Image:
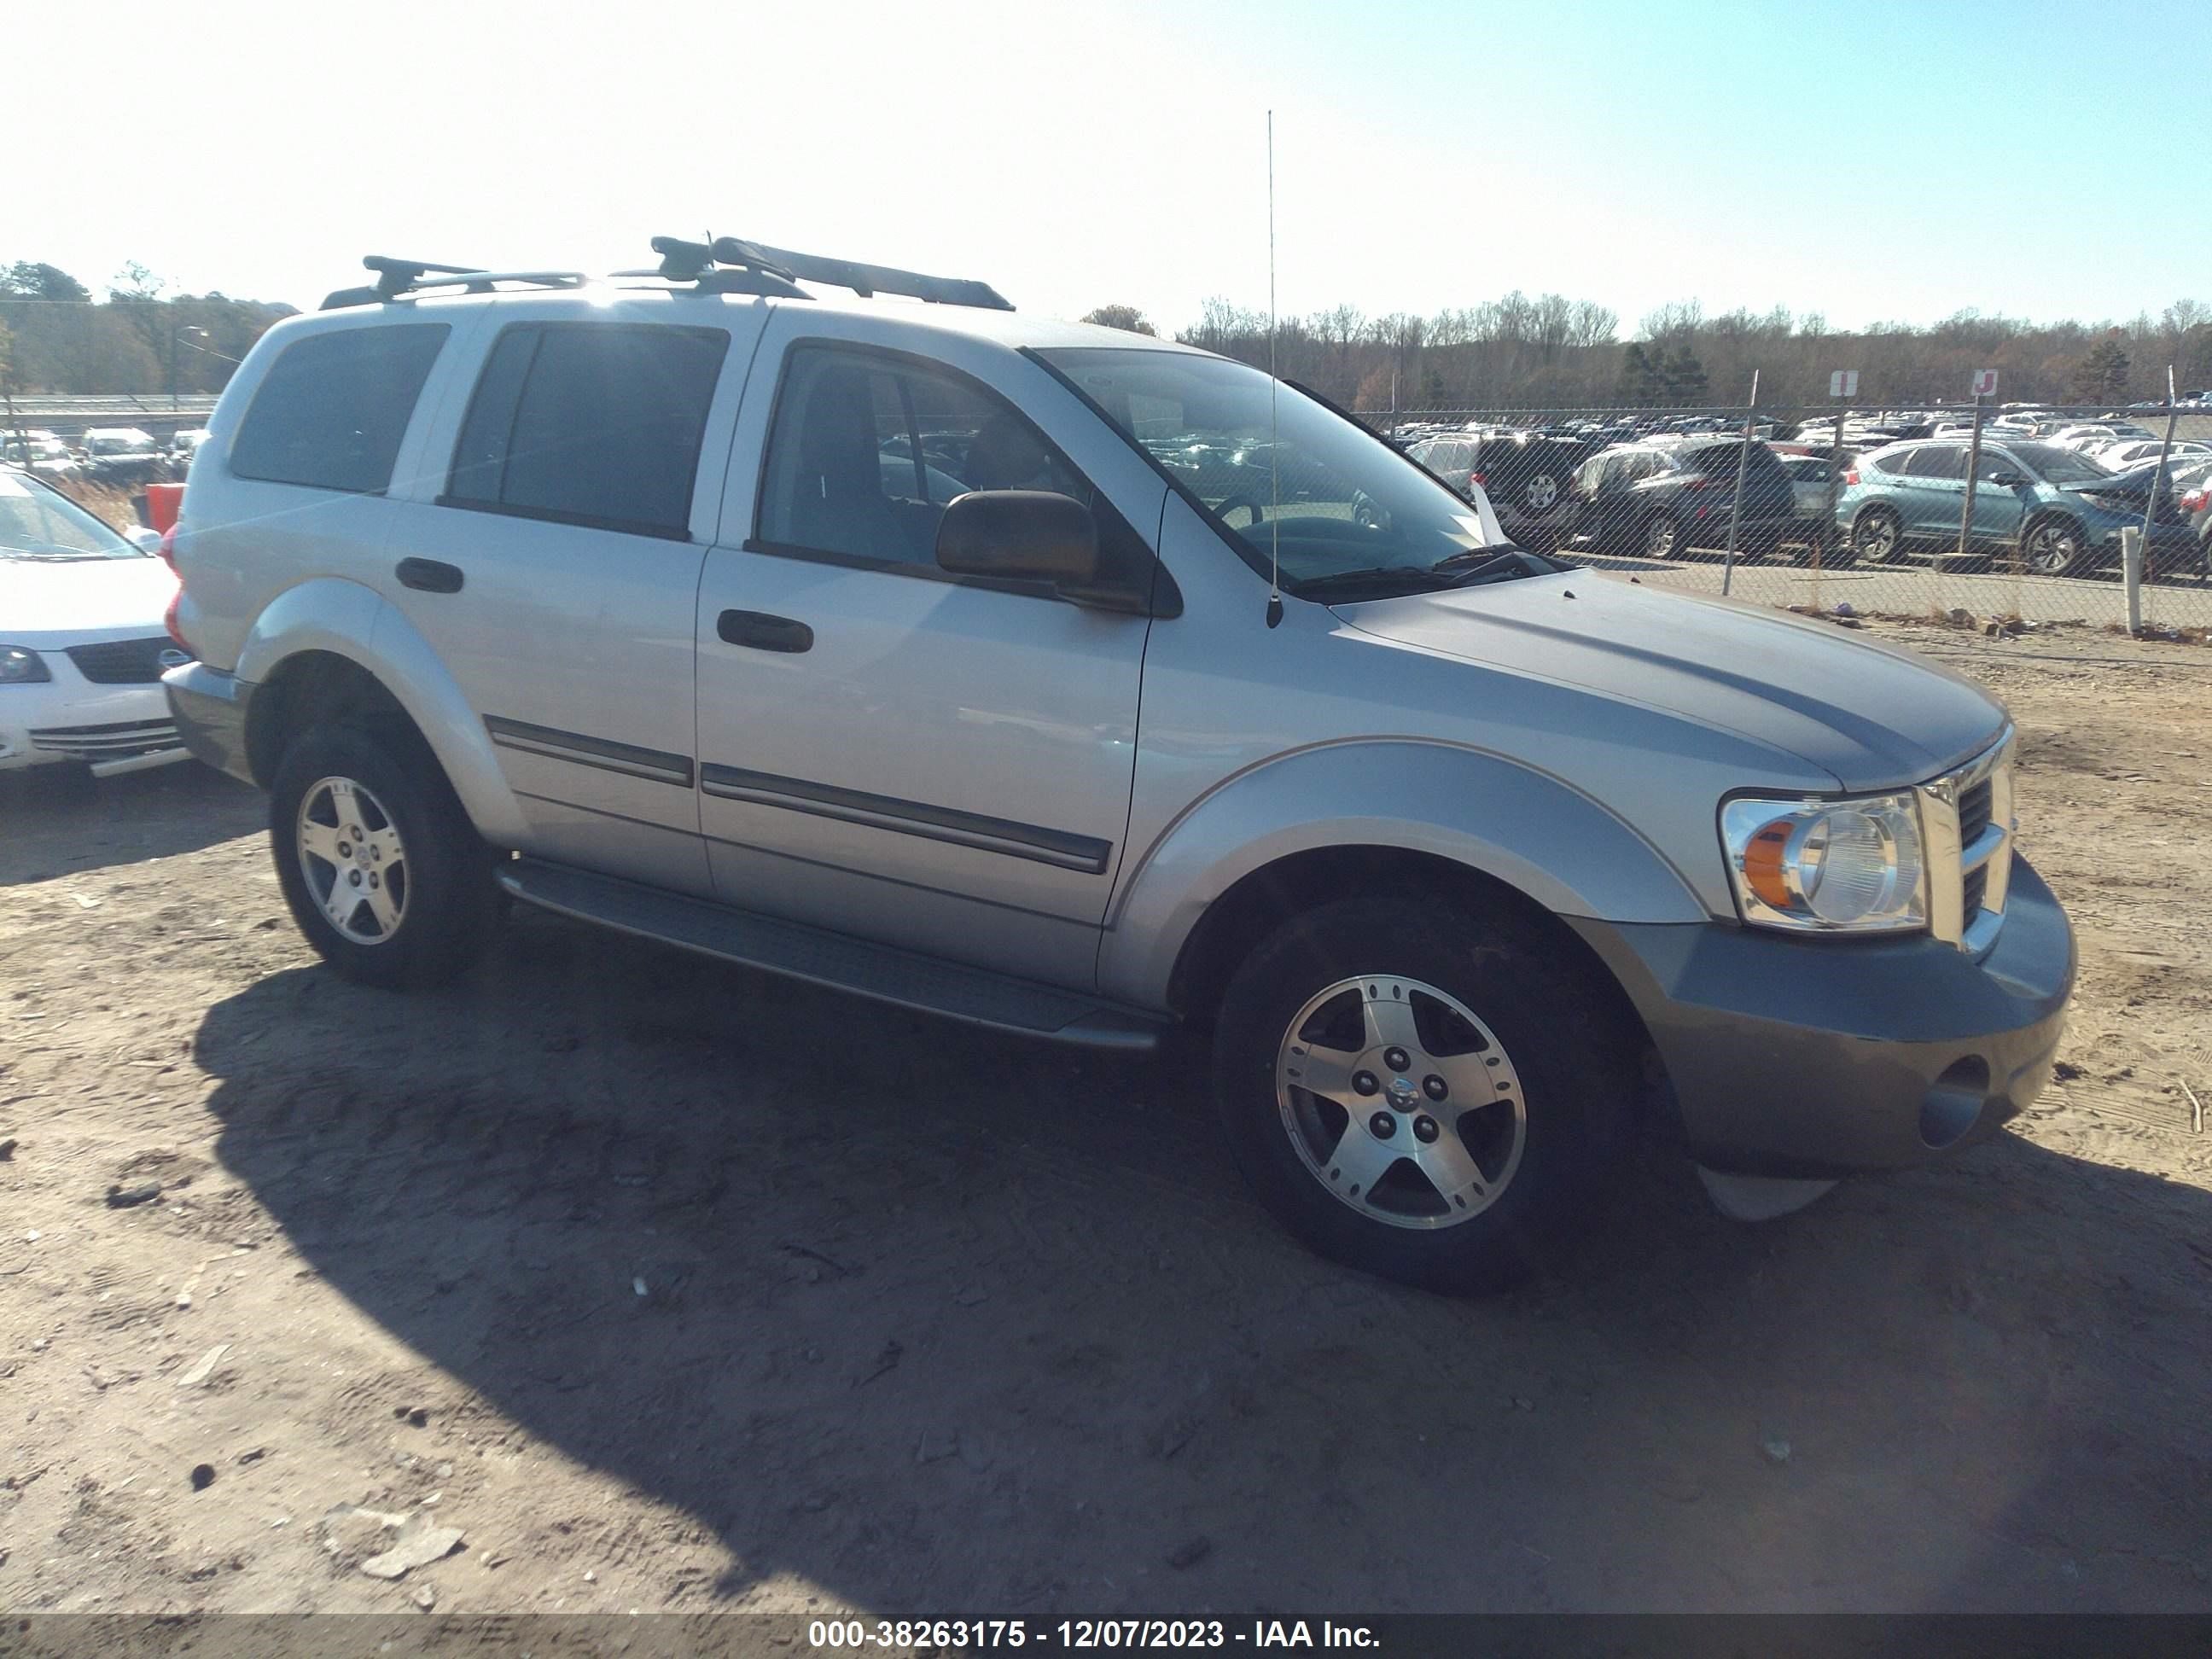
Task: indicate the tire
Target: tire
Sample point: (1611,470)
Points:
(1877,537)
(2054,546)
(1539,493)
(347,804)
(1663,537)
(1495,1018)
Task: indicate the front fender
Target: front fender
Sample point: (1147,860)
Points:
(1536,834)
(348,620)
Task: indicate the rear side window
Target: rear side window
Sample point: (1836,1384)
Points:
(1938,461)
(333,407)
(589,423)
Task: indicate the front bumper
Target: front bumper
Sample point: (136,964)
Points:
(112,728)
(209,708)
(1814,1058)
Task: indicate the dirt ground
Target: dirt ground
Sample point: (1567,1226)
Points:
(673,1287)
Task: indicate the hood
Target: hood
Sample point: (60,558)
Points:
(1870,714)
(41,602)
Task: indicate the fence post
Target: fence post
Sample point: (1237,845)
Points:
(1735,505)
(2158,477)
(1973,466)
(2131,563)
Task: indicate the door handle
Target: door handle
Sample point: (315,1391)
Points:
(761,632)
(429,575)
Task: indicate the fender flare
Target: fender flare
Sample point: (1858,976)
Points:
(347,619)
(1535,832)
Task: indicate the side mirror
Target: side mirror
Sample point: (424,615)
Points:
(1020,535)
(145,539)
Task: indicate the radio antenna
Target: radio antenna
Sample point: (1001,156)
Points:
(1274,456)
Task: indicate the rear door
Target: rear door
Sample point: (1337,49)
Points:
(2000,509)
(1935,491)
(554,566)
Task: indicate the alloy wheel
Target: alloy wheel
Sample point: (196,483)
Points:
(1401,1101)
(355,866)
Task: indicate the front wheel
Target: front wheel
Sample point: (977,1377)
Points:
(1425,1094)
(383,872)
(2053,547)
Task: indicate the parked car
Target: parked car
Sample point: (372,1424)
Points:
(81,645)
(1452,850)
(122,456)
(1525,478)
(1666,496)
(2059,510)
(2189,480)
(2123,453)
(41,452)
(1812,477)
(2090,435)
(182,448)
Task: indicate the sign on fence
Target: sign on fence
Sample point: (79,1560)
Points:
(1843,383)
(1986,383)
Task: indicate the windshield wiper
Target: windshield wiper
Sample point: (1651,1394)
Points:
(1338,583)
(1499,561)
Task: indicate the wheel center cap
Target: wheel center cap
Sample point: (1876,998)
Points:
(1402,1094)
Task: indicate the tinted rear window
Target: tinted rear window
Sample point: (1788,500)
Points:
(1716,460)
(589,423)
(333,407)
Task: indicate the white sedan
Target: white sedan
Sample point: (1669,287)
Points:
(82,644)
(2129,452)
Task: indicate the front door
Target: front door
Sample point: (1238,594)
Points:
(939,763)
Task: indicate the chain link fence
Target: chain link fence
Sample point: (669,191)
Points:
(2001,514)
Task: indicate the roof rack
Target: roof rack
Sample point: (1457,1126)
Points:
(760,262)
(694,263)
(395,278)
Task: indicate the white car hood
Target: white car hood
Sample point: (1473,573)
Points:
(1870,714)
(62,602)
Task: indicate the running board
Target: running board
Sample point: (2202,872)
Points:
(833,960)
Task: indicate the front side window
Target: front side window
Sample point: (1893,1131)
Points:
(333,407)
(869,449)
(597,424)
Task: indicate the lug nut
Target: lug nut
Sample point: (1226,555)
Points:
(354,876)
(1396,1059)
(1363,1083)
(1433,1087)
(1424,1129)
(1383,1125)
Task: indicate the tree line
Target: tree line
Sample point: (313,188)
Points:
(1550,352)
(56,337)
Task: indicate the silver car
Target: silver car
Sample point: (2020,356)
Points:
(876,644)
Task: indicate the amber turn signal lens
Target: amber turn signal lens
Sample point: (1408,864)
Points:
(1762,863)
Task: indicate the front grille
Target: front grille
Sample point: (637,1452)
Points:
(122,662)
(115,742)
(1974,815)
(1977,884)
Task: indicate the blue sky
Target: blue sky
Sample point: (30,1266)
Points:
(1867,160)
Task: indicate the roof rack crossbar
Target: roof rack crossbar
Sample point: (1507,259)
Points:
(399,277)
(863,279)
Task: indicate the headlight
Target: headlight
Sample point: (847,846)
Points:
(1827,865)
(19,666)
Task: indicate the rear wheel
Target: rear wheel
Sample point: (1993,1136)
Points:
(1877,536)
(1662,537)
(1443,1123)
(383,872)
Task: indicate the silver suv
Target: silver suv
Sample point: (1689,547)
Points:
(936,653)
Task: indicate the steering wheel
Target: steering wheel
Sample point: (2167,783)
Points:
(1259,514)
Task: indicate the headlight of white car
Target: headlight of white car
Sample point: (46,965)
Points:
(1827,865)
(21,665)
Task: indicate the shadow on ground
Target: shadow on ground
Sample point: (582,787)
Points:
(55,820)
(940,1321)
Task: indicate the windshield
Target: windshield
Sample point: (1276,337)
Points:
(41,524)
(1341,500)
(2060,466)
(117,443)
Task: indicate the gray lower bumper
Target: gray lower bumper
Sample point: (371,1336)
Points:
(1813,1057)
(209,708)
